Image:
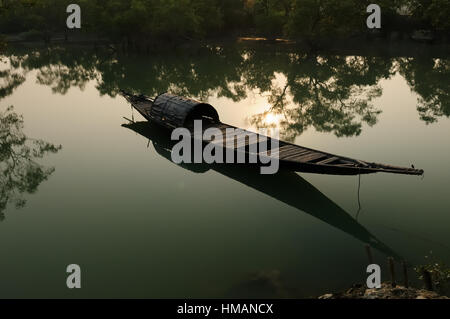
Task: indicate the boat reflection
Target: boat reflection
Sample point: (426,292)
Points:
(285,186)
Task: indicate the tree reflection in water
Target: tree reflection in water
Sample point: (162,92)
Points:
(19,171)
(10,79)
(332,93)
(430,79)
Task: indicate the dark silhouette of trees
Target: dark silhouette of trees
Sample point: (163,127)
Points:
(141,22)
(431,13)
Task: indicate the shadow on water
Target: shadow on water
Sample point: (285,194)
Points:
(20,173)
(285,186)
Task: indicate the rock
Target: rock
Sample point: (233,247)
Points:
(398,290)
(421,297)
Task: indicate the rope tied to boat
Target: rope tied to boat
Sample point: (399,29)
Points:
(359,199)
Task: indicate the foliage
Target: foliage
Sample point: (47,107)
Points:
(9,80)
(19,171)
(48,16)
(430,78)
(270,16)
(2,44)
(330,93)
(431,13)
(175,18)
(440,274)
(181,19)
(439,14)
(312,18)
(2,47)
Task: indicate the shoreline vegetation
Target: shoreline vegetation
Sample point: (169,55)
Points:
(387,291)
(152,25)
(366,46)
(435,275)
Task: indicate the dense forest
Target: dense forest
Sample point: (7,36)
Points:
(174,20)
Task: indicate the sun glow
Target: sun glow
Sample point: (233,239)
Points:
(272,119)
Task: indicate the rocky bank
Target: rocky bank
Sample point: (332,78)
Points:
(386,291)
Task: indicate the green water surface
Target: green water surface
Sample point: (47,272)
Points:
(140,226)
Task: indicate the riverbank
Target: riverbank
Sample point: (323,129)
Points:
(367,46)
(386,291)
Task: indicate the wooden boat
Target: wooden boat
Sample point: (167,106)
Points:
(170,112)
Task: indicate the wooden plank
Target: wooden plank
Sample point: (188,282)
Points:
(239,140)
(220,126)
(278,149)
(228,137)
(221,142)
(244,135)
(328,160)
(246,141)
(300,152)
(310,157)
(346,165)
(234,137)
(243,138)
(209,140)
(229,131)
(362,163)
(288,150)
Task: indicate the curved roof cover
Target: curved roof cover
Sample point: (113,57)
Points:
(175,111)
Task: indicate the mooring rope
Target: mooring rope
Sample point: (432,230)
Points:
(359,199)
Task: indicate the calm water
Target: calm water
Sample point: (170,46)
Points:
(141,226)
